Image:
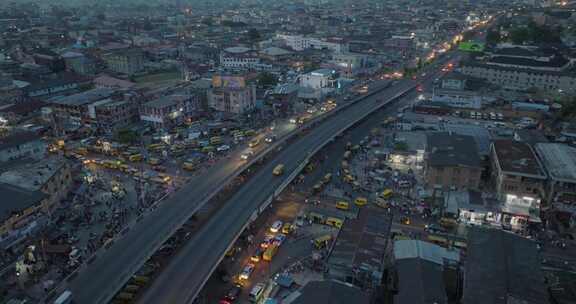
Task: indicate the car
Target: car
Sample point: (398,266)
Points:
(233,293)
(257,255)
(276,226)
(268,239)
(223,148)
(279,239)
(270,139)
(433,228)
(247,155)
(247,271)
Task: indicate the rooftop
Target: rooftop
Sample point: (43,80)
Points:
(161,102)
(15,198)
(237,50)
(559,160)
(275,51)
(448,150)
(32,176)
(332,292)
(84,97)
(17,139)
(411,249)
(517,158)
(420,282)
(502,268)
(362,242)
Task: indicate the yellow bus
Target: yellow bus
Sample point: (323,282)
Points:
(208,149)
(154,161)
(342,205)
(188,166)
(135,157)
(334,222)
(278,170)
(155,147)
(361,201)
(253,143)
(270,253)
(216,140)
(322,241)
(386,193)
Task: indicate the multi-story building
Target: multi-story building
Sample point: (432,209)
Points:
(523,68)
(110,115)
(232,95)
(21,145)
(455,90)
(517,170)
(318,83)
(72,112)
(51,176)
(125,61)
(239,58)
(79,63)
(452,162)
(19,211)
(560,163)
(300,43)
(168,111)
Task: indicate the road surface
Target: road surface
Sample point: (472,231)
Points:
(102,278)
(187,272)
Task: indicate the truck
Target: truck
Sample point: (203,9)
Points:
(270,253)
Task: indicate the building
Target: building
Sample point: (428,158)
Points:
(452,162)
(283,98)
(51,176)
(125,61)
(559,160)
(275,54)
(300,43)
(502,267)
(516,78)
(318,83)
(79,63)
(19,211)
(421,269)
(109,115)
(356,255)
(517,170)
(240,58)
(54,84)
(76,111)
(332,292)
(457,91)
(168,111)
(232,95)
(20,145)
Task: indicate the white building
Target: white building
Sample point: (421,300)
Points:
(300,43)
(241,58)
(455,93)
(317,84)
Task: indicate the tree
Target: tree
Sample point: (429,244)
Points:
(493,37)
(126,136)
(253,35)
(266,79)
(520,35)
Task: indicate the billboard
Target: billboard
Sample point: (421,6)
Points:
(230,82)
(470,46)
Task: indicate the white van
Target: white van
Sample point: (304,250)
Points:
(256,292)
